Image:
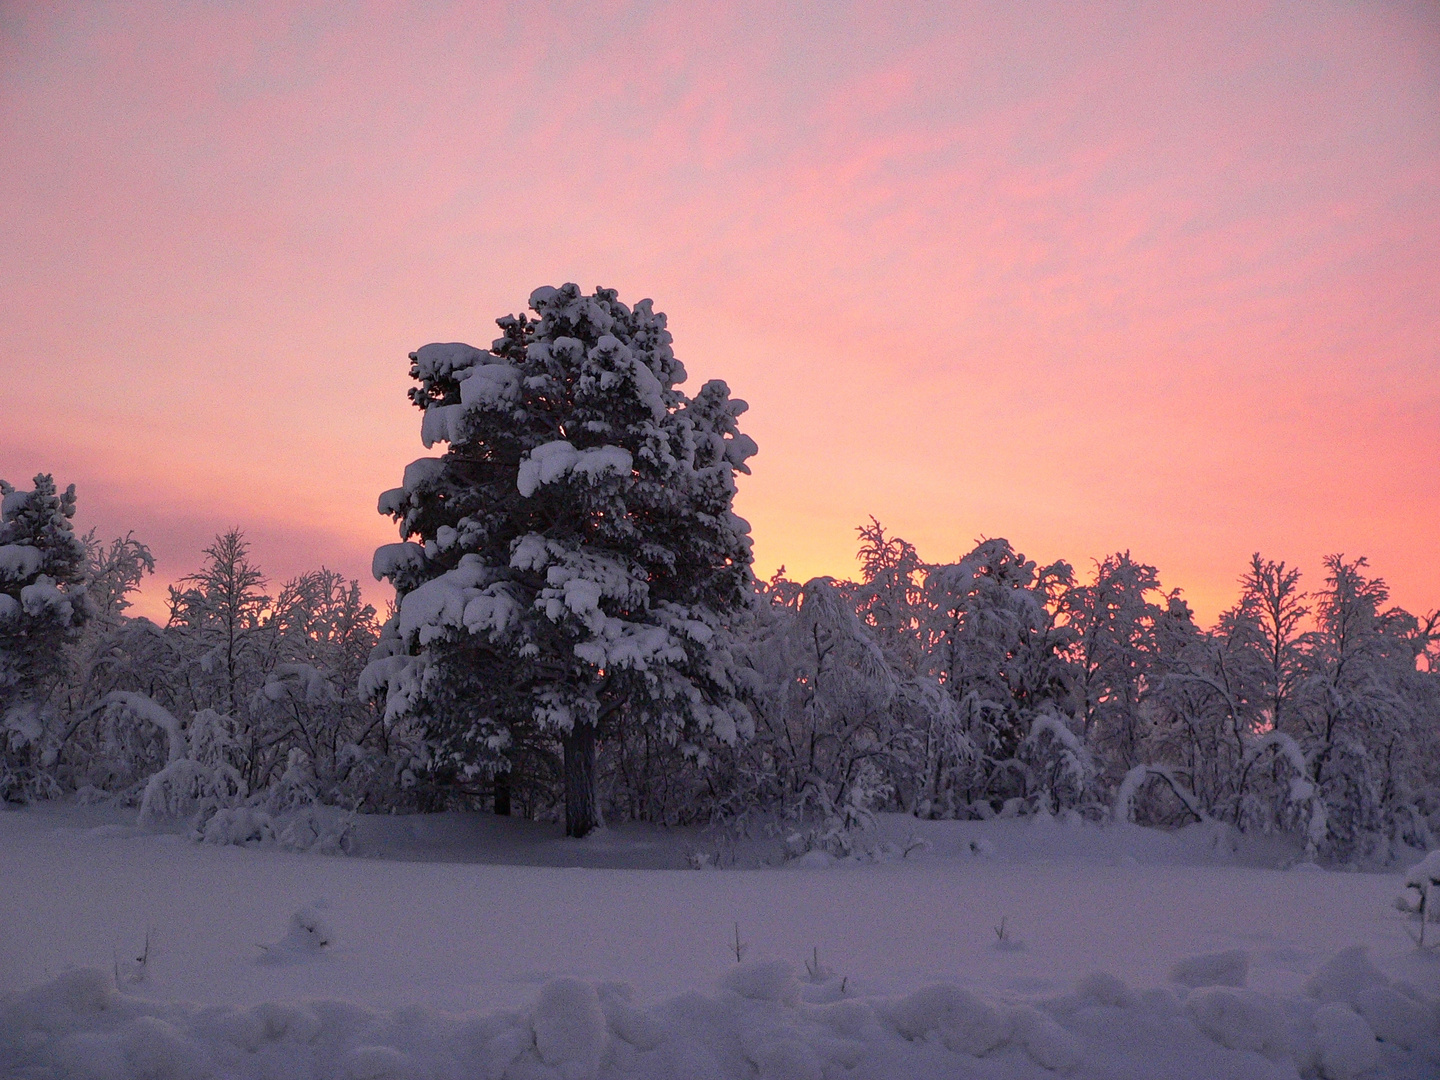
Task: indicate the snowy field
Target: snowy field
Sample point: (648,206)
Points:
(470,946)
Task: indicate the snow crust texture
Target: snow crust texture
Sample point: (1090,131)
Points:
(759,1020)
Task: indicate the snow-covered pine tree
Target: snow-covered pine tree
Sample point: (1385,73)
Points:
(42,608)
(579,561)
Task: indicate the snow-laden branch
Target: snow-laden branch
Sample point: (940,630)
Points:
(1124,808)
(143,708)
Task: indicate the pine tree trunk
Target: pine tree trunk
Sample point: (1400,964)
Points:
(582,799)
(502,793)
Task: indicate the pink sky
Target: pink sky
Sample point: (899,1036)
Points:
(1159,277)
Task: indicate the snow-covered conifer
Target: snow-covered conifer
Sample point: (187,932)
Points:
(42,608)
(578,561)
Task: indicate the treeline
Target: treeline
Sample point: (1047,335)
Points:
(990,685)
(995,685)
(240,708)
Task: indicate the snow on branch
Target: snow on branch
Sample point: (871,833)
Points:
(1124,808)
(551,461)
(143,708)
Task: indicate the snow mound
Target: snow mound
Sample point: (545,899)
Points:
(1344,977)
(763,980)
(308,932)
(1400,1019)
(963,1021)
(570,1027)
(1238,1019)
(1229,968)
(981,848)
(1101,989)
(754,1025)
(1347,1045)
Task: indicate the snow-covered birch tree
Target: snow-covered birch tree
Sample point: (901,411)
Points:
(994,643)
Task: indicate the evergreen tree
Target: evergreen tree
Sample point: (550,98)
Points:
(579,562)
(42,609)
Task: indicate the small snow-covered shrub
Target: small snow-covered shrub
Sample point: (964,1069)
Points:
(321,829)
(214,799)
(980,847)
(268,819)
(307,932)
(235,825)
(185,788)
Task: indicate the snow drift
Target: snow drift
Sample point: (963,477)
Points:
(757,1020)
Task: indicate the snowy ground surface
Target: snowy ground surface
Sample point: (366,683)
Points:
(469,946)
